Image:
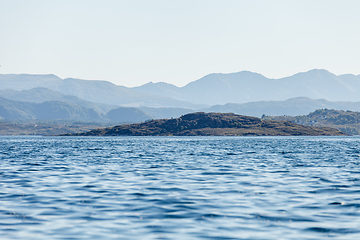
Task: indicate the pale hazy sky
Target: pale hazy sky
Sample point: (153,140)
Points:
(137,41)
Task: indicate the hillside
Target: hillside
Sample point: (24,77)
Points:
(56,110)
(40,95)
(212,124)
(345,121)
(127,114)
(49,110)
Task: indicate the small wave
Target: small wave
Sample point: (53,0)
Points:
(333,230)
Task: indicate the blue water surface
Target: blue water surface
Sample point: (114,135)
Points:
(179,187)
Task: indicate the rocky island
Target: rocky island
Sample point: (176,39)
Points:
(212,124)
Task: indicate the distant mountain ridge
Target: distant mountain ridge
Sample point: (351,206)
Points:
(40,95)
(57,110)
(245,86)
(212,89)
(49,110)
(90,90)
(290,107)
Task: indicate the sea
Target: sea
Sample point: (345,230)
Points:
(179,187)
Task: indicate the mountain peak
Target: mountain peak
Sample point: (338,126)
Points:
(315,71)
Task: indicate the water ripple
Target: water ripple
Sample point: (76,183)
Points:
(179,187)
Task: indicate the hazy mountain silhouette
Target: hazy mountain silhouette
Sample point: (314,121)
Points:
(57,110)
(160,113)
(91,90)
(16,110)
(247,86)
(40,95)
(290,107)
(161,89)
(53,110)
(213,89)
(50,110)
(128,114)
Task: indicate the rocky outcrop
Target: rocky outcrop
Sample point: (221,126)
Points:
(212,124)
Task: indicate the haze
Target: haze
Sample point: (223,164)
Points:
(134,42)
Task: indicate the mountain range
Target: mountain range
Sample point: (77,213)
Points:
(247,86)
(58,110)
(290,107)
(49,110)
(212,89)
(103,92)
(25,96)
(40,95)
